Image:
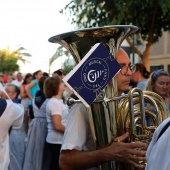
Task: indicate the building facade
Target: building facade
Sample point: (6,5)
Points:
(160,54)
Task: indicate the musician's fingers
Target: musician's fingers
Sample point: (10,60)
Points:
(138,145)
(122,138)
(135,164)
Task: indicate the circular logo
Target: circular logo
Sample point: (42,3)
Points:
(95,74)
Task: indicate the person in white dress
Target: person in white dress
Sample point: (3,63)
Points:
(11,114)
(17,134)
(37,131)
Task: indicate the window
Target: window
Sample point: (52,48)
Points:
(157,67)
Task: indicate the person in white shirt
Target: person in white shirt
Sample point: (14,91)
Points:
(78,149)
(19,80)
(57,116)
(17,134)
(11,114)
(158,152)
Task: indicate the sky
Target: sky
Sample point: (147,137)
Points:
(30,23)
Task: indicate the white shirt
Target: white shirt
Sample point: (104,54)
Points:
(12,116)
(158,152)
(78,132)
(17,83)
(54,107)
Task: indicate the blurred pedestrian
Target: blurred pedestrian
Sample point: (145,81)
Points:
(45,74)
(37,132)
(25,99)
(17,134)
(32,88)
(19,80)
(67,92)
(13,91)
(57,116)
(11,114)
(10,78)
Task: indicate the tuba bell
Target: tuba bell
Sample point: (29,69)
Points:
(107,116)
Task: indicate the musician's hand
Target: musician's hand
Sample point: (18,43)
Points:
(128,152)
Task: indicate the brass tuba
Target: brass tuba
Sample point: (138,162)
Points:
(107,116)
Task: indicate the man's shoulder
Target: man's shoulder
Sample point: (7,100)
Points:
(17,83)
(78,108)
(14,81)
(12,112)
(79,113)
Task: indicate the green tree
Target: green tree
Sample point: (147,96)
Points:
(59,53)
(8,60)
(68,68)
(152,17)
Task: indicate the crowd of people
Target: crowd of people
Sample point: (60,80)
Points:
(36,142)
(46,134)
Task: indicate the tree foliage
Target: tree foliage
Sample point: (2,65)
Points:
(8,60)
(68,68)
(150,16)
(61,51)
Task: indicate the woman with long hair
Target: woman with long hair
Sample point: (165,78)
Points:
(31,90)
(159,83)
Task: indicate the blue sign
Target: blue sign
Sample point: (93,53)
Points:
(92,74)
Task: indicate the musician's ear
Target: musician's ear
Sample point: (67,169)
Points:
(3,105)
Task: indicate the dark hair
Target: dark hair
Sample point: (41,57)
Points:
(60,72)
(45,74)
(140,67)
(35,73)
(51,86)
(74,96)
(28,75)
(41,82)
(63,72)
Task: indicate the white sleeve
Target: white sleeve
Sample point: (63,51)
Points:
(155,136)
(55,107)
(18,115)
(76,131)
(158,150)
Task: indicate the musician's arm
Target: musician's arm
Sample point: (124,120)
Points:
(75,160)
(125,152)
